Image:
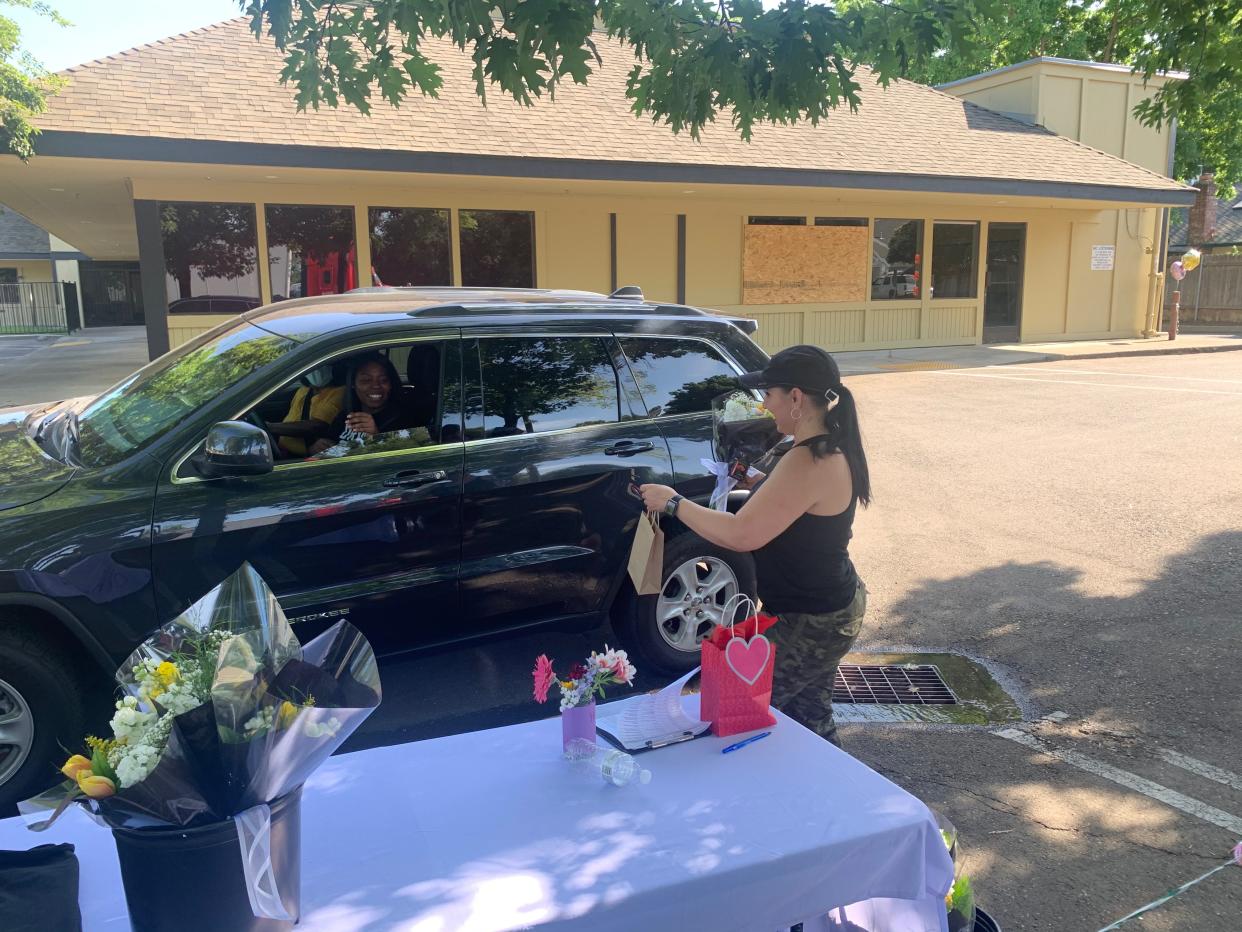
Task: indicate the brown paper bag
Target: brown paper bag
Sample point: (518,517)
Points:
(647,556)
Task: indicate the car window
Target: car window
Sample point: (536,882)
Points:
(419,406)
(533,385)
(138,411)
(677,376)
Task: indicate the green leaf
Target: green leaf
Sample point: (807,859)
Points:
(101,768)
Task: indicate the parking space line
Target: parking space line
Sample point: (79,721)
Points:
(1150,789)
(1202,768)
(1140,375)
(1141,388)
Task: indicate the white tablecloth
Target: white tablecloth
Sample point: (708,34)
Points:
(492,830)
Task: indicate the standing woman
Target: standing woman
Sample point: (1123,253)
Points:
(798,524)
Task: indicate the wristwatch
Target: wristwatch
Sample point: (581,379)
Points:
(670,507)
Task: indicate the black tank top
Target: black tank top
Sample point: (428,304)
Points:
(807,567)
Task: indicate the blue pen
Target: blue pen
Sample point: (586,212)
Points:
(742,744)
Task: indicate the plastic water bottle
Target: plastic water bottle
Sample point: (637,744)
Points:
(613,766)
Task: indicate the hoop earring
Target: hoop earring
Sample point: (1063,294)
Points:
(796,414)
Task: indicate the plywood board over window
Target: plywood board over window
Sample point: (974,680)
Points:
(805,264)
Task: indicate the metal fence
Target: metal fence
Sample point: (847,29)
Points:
(1212,293)
(38,307)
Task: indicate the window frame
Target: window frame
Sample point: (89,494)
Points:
(728,358)
(445,336)
(258,255)
(453,227)
(458,260)
(267,242)
(607,339)
(978,253)
(920,251)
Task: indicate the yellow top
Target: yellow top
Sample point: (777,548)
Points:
(325,405)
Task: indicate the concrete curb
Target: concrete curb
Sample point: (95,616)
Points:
(1172,351)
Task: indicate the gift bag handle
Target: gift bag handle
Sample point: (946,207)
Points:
(742,599)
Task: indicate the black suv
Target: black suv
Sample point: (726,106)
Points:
(505,500)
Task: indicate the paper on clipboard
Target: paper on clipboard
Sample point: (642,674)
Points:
(655,720)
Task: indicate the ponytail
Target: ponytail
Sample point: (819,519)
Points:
(842,435)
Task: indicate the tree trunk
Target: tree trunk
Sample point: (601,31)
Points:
(1113,29)
(184,279)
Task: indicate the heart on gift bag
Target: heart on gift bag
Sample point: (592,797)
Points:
(748,659)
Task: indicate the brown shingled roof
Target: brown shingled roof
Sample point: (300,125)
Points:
(219,83)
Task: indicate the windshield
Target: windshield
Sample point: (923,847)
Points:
(141,409)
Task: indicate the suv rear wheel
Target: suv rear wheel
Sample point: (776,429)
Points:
(700,580)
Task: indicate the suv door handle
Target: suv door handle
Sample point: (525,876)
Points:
(629,447)
(412,478)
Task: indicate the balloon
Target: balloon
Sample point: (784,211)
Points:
(1177,270)
(1190,261)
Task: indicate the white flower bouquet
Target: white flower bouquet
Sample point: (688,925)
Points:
(222,717)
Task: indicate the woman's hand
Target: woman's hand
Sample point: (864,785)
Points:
(361,422)
(655,497)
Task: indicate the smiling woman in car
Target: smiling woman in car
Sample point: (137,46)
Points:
(798,523)
(372,406)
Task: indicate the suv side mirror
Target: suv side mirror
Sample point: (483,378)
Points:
(236,448)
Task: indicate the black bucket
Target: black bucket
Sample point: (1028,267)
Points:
(191,879)
(984,922)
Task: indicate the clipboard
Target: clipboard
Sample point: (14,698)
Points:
(653,721)
(652,744)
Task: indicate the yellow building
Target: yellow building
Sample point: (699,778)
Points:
(923,219)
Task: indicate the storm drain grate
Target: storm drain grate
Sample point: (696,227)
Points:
(907,684)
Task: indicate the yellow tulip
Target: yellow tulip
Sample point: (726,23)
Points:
(75,765)
(286,714)
(95,786)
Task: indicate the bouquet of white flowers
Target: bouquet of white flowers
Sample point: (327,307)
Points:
(222,717)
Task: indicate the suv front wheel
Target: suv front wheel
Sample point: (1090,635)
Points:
(700,582)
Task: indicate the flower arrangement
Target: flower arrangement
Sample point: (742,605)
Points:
(223,715)
(585,681)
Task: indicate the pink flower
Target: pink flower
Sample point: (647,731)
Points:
(1237,854)
(544,677)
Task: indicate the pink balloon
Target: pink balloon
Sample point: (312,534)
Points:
(1177,270)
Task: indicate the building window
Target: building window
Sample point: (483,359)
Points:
(840,221)
(8,276)
(897,259)
(955,259)
(776,221)
(677,376)
(533,385)
(210,257)
(410,246)
(310,250)
(497,248)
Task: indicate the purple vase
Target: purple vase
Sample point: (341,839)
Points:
(578,723)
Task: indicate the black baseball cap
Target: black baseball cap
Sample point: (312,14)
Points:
(806,367)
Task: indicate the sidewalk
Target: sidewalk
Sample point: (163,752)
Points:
(1004,354)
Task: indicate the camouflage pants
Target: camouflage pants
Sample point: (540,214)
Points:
(809,648)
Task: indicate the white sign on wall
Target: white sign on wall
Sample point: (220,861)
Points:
(1102,258)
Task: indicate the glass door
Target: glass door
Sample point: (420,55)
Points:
(1002,304)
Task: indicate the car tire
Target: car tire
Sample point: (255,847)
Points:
(43,711)
(661,638)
